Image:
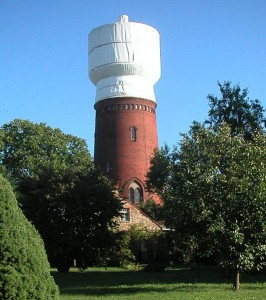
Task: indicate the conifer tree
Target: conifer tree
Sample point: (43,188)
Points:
(24,268)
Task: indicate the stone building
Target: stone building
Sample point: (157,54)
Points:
(131,214)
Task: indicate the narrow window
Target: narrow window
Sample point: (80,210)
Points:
(133,132)
(131,195)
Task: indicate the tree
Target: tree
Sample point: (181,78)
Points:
(90,210)
(159,172)
(153,210)
(61,192)
(24,268)
(31,151)
(130,244)
(214,197)
(244,116)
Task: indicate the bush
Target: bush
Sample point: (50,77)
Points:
(24,268)
(138,245)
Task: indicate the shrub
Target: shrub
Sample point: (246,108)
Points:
(138,245)
(24,268)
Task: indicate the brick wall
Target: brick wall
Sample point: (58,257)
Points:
(115,152)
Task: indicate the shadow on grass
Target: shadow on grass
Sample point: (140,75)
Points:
(122,290)
(118,282)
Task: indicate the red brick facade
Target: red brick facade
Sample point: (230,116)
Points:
(125,138)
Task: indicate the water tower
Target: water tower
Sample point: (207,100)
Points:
(124,65)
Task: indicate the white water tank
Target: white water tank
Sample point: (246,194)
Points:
(124,60)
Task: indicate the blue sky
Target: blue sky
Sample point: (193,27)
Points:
(44,62)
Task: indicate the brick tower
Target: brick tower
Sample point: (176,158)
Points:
(124,64)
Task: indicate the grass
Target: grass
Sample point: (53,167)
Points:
(200,282)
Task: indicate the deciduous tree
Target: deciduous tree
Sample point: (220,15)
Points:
(71,204)
(243,115)
(214,196)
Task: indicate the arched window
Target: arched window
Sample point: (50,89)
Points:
(133,132)
(131,195)
(135,193)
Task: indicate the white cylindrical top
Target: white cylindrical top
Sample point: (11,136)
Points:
(124,60)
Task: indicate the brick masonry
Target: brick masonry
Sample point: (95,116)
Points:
(121,157)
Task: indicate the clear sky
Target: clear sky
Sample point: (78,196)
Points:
(44,61)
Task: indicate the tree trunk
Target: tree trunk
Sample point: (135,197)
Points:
(237,280)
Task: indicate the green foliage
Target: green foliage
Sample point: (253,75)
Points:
(30,151)
(159,172)
(89,210)
(152,209)
(24,268)
(213,185)
(215,194)
(71,204)
(131,244)
(244,116)
(123,251)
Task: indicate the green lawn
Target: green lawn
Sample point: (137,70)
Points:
(199,282)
